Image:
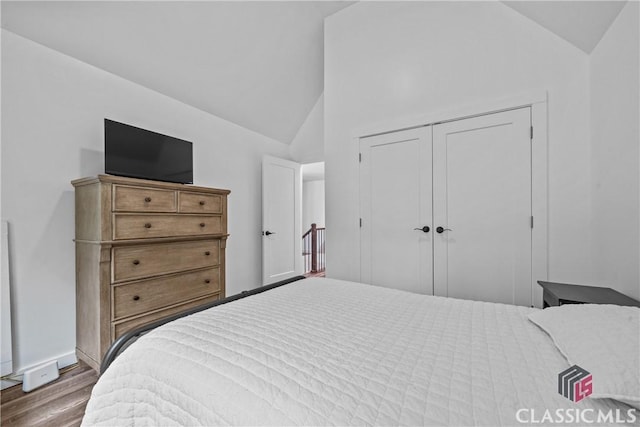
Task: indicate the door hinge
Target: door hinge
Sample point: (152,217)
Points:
(360,157)
(531,132)
(532,222)
(360,222)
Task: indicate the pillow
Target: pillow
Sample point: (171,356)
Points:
(602,339)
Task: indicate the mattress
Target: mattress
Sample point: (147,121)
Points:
(329,352)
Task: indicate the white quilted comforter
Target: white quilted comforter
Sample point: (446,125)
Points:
(329,352)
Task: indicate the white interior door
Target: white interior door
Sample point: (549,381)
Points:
(281,216)
(482,200)
(395,180)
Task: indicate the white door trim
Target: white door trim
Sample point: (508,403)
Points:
(539,207)
(461,112)
(538,102)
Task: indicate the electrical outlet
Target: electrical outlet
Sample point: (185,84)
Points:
(40,375)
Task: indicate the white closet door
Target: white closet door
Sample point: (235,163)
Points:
(395,180)
(482,195)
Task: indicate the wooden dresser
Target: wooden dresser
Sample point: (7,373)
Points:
(144,250)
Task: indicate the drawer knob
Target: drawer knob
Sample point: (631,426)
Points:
(136,297)
(147,199)
(147,225)
(201,202)
(207,281)
(136,261)
(207,253)
(202,224)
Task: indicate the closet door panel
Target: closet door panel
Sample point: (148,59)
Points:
(395,206)
(482,198)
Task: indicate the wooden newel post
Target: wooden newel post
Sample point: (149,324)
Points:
(314,249)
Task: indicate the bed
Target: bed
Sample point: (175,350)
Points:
(329,352)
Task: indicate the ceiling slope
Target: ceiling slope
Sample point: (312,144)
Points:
(581,23)
(256,64)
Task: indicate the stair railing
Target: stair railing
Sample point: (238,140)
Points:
(313,249)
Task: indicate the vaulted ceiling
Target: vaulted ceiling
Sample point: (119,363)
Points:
(257,64)
(582,23)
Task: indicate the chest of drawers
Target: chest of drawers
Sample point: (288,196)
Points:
(144,250)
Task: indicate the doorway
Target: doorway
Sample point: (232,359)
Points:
(313,219)
(293,219)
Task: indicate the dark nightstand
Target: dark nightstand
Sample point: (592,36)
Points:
(562,293)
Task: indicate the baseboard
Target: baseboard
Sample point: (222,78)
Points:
(63,360)
(6,367)
(88,360)
(8,384)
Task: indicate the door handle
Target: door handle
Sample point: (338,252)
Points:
(268,233)
(424,229)
(440,229)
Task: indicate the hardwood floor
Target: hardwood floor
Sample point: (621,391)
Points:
(60,403)
(318,274)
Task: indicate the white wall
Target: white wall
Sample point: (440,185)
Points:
(615,142)
(312,204)
(308,145)
(388,61)
(52,112)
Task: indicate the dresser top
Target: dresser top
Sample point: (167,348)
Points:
(112,179)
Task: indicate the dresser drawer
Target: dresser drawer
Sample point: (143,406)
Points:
(137,199)
(136,262)
(199,203)
(122,327)
(133,226)
(146,295)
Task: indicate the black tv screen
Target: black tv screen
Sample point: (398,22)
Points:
(139,153)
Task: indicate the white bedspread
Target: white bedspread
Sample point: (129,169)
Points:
(328,352)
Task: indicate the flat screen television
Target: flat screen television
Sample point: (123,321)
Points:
(140,153)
